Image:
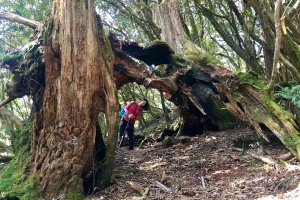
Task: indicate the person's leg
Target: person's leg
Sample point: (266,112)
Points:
(122,127)
(130,136)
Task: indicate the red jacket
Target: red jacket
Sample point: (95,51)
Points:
(134,109)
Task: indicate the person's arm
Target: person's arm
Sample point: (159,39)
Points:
(138,116)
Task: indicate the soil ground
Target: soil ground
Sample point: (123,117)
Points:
(204,167)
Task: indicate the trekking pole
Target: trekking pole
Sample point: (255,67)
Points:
(122,138)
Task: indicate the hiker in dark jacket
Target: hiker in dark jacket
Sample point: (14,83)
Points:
(132,113)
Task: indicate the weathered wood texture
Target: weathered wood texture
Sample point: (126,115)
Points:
(78,85)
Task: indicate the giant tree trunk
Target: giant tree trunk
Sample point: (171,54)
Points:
(78,85)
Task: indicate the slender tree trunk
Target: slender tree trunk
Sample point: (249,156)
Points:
(194,31)
(78,86)
(163,104)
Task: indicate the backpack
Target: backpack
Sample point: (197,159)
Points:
(122,111)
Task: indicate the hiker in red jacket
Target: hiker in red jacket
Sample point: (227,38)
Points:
(132,113)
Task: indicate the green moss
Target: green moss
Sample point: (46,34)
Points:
(178,61)
(251,78)
(276,109)
(15,177)
(74,194)
(198,58)
(292,140)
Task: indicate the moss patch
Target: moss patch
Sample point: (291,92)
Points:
(251,78)
(292,140)
(15,177)
(276,109)
(196,57)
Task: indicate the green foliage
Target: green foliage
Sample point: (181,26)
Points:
(251,78)
(288,95)
(15,178)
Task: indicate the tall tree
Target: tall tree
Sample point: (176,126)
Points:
(78,85)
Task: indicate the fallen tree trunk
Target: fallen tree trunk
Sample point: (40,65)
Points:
(195,89)
(252,104)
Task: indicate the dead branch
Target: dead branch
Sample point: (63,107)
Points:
(202,182)
(21,20)
(269,161)
(6,101)
(291,67)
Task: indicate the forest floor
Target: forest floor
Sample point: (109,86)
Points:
(204,167)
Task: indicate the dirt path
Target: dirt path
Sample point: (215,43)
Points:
(226,173)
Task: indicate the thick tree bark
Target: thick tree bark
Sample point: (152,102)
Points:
(170,24)
(79,85)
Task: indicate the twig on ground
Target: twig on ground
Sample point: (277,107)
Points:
(202,182)
(267,160)
(162,186)
(270,161)
(136,187)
